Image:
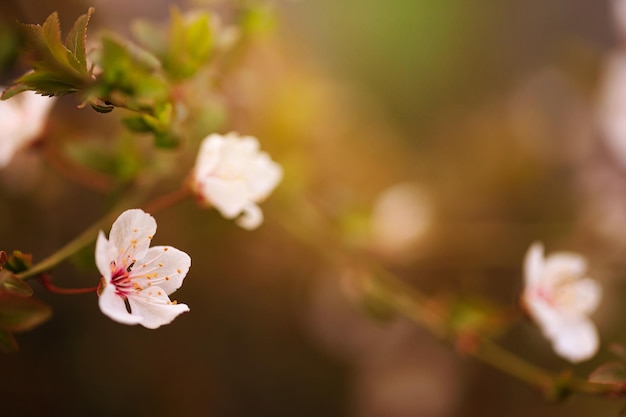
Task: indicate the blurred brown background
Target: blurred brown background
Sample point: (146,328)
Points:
(489,106)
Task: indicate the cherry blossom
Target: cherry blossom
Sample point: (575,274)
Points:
(560,298)
(137,279)
(401,217)
(22,120)
(232,174)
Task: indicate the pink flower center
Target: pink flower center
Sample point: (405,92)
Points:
(121,280)
(545,295)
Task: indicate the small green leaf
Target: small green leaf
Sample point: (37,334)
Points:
(166,140)
(14,285)
(19,262)
(77,37)
(57,70)
(51,32)
(18,314)
(101,106)
(47,83)
(13,91)
(150,36)
(138,124)
(188,45)
(132,71)
(8,344)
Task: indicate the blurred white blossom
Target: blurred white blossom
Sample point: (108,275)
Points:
(136,274)
(22,120)
(232,174)
(400,218)
(618,11)
(612,106)
(559,298)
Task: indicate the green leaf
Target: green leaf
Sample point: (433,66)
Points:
(188,45)
(13,91)
(14,285)
(166,140)
(138,124)
(101,106)
(18,314)
(8,344)
(51,31)
(150,36)
(132,71)
(57,69)
(47,83)
(19,262)
(77,38)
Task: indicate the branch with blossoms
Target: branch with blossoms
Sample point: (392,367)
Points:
(151,81)
(147,81)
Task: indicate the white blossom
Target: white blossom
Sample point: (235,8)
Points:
(22,120)
(559,297)
(137,275)
(401,217)
(233,175)
(612,106)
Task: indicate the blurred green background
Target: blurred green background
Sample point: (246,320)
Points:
(489,106)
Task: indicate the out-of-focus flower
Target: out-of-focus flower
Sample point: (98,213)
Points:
(136,274)
(22,119)
(612,106)
(618,10)
(559,298)
(401,216)
(232,174)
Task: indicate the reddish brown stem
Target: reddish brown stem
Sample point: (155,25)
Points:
(47,283)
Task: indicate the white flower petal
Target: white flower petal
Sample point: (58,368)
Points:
(22,119)
(559,299)
(533,264)
(251,218)
(208,156)
(114,306)
(544,315)
(132,232)
(137,280)
(576,341)
(232,174)
(153,308)
(229,197)
(165,266)
(586,294)
(563,266)
(105,253)
(263,175)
